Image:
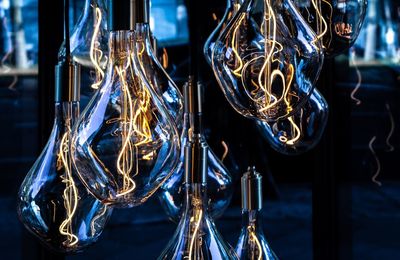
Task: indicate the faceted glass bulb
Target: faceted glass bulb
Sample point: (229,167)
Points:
(252,243)
(336,22)
(232,7)
(300,132)
(157,77)
(266,61)
(219,184)
(89,37)
(196,236)
(52,203)
(125,144)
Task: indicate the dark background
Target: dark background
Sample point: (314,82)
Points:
(320,205)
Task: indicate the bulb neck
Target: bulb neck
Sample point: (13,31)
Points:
(252,221)
(119,48)
(196,197)
(66,113)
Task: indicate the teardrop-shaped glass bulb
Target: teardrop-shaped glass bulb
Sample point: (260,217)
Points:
(89,38)
(196,236)
(337,23)
(300,132)
(266,61)
(232,7)
(125,143)
(219,189)
(252,243)
(157,77)
(52,203)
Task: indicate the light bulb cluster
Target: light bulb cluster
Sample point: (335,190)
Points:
(267,59)
(125,145)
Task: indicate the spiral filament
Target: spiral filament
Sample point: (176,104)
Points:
(321,23)
(254,239)
(294,129)
(96,54)
(70,194)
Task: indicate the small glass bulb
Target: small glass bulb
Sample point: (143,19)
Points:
(300,132)
(89,38)
(125,144)
(196,236)
(266,61)
(52,202)
(252,243)
(337,23)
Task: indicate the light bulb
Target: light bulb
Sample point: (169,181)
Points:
(89,37)
(125,144)
(219,189)
(52,203)
(265,60)
(157,77)
(300,132)
(252,243)
(196,236)
(337,23)
(232,6)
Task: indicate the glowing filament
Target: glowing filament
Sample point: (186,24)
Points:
(96,54)
(253,238)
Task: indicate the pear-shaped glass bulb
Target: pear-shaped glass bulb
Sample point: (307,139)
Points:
(219,184)
(337,23)
(232,6)
(89,38)
(196,236)
(52,203)
(125,144)
(252,243)
(300,132)
(157,77)
(266,61)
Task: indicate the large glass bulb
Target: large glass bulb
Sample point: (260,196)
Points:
(232,6)
(300,132)
(266,61)
(196,236)
(89,37)
(336,22)
(252,243)
(125,144)
(219,189)
(52,203)
(155,74)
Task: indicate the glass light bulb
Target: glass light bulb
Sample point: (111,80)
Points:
(266,61)
(219,184)
(337,23)
(252,243)
(52,203)
(157,77)
(89,38)
(125,144)
(300,132)
(232,6)
(196,236)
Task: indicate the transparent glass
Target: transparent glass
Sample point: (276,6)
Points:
(232,6)
(158,78)
(252,243)
(266,61)
(219,184)
(196,236)
(336,22)
(89,38)
(125,144)
(52,203)
(300,132)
